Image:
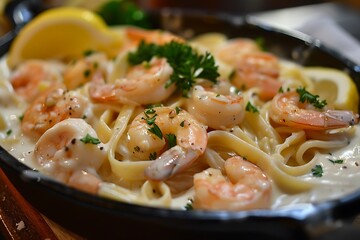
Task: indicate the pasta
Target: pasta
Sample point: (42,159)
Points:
(251,136)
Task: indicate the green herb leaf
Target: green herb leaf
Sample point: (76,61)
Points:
(337,161)
(88,52)
(151,120)
(177,109)
(123,12)
(189,205)
(187,64)
(144,53)
(251,108)
(149,111)
(87,73)
(305,96)
(317,171)
(89,139)
(260,41)
(171,140)
(8,132)
(156,130)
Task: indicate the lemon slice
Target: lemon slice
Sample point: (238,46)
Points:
(63,32)
(335,86)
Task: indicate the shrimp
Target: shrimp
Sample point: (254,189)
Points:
(216,110)
(66,153)
(33,77)
(83,70)
(188,134)
(151,36)
(233,50)
(258,70)
(246,187)
(286,109)
(51,107)
(143,84)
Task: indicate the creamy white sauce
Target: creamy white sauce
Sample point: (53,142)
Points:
(337,179)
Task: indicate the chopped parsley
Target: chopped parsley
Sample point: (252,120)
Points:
(156,130)
(260,42)
(187,64)
(150,120)
(87,73)
(149,111)
(189,205)
(21,117)
(88,52)
(8,132)
(177,109)
(305,96)
(251,108)
(89,139)
(124,12)
(317,171)
(171,140)
(336,161)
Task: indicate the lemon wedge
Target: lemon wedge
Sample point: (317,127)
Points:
(335,86)
(63,32)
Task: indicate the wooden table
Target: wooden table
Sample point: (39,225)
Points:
(19,220)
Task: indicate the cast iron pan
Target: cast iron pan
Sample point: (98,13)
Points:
(98,218)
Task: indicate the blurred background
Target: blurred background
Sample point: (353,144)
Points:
(236,7)
(232,6)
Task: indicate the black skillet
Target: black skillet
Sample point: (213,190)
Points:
(98,218)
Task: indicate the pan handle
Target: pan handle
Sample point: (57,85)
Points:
(5,41)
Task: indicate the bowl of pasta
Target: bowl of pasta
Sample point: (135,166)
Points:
(211,127)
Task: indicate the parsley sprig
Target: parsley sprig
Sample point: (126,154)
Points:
(90,139)
(336,161)
(305,96)
(317,171)
(189,205)
(150,117)
(251,108)
(187,64)
(171,139)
